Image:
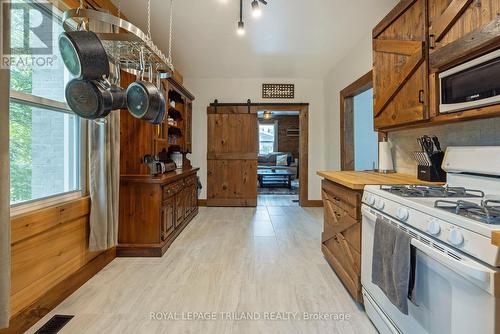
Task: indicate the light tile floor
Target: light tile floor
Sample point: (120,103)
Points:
(245,261)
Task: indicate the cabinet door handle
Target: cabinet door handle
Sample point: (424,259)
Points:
(421,96)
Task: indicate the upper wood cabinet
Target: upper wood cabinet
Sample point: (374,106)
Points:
(418,40)
(400,70)
(451,21)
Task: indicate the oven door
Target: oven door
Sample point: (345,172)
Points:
(454,293)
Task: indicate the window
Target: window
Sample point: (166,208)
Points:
(45,136)
(365,138)
(267,137)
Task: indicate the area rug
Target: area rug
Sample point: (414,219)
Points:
(280,191)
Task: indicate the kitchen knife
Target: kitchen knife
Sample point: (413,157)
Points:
(437,144)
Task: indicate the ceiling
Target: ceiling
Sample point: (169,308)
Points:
(292,39)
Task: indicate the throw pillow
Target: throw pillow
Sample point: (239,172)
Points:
(282,160)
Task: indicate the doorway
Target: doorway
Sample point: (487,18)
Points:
(278,159)
(228,124)
(358,139)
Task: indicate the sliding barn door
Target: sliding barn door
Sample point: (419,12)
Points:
(232,156)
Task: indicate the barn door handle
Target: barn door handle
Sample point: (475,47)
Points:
(421,96)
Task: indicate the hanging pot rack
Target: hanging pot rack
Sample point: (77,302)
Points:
(124,44)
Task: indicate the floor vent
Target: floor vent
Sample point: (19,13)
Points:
(55,324)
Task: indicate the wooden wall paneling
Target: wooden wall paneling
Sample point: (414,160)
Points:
(399,80)
(38,308)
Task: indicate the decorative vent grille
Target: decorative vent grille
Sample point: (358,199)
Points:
(278,91)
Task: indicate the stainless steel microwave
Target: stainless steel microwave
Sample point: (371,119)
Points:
(471,85)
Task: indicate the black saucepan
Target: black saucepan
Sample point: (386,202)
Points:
(94,99)
(145,101)
(84,55)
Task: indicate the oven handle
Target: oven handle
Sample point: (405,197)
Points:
(464,267)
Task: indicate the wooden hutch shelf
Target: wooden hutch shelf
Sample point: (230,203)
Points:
(155,209)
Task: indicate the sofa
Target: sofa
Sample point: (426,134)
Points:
(268,161)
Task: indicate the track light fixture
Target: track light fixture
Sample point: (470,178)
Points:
(256,12)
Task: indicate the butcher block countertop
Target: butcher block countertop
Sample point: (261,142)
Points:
(358,180)
(495,238)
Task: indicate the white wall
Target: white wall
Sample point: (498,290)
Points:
(355,64)
(239,90)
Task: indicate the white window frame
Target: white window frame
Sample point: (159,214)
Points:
(62,107)
(276,128)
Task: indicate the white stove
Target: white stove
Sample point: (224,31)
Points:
(451,228)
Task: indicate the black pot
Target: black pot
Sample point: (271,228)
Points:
(145,101)
(92,99)
(84,55)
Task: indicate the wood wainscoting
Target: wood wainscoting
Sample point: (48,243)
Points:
(50,259)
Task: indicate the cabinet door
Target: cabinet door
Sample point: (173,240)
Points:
(180,207)
(450,20)
(167,218)
(400,69)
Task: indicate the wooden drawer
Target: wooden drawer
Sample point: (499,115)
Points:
(191,180)
(346,199)
(337,218)
(346,262)
(172,188)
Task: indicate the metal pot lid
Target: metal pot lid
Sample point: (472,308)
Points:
(83,98)
(137,100)
(70,56)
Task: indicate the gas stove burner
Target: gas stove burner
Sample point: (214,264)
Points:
(431,191)
(486,212)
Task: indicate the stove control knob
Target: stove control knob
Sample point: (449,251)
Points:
(456,238)
(403,214)
(370,199)
(434,228)
(380,204)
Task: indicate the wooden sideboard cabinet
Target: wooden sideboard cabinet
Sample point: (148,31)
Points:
(153,211)
(341,238)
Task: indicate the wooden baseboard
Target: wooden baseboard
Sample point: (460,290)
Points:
(202,202)
(313,204)
(22,321)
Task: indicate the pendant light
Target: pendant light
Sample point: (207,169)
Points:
(241,25)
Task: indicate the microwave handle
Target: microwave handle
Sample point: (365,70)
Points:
(464,267)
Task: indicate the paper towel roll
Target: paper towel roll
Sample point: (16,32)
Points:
(385,162)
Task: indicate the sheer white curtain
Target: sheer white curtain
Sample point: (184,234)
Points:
(4,200)
(104,174)
(4,189)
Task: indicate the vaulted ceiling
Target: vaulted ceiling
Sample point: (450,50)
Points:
(292,39)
